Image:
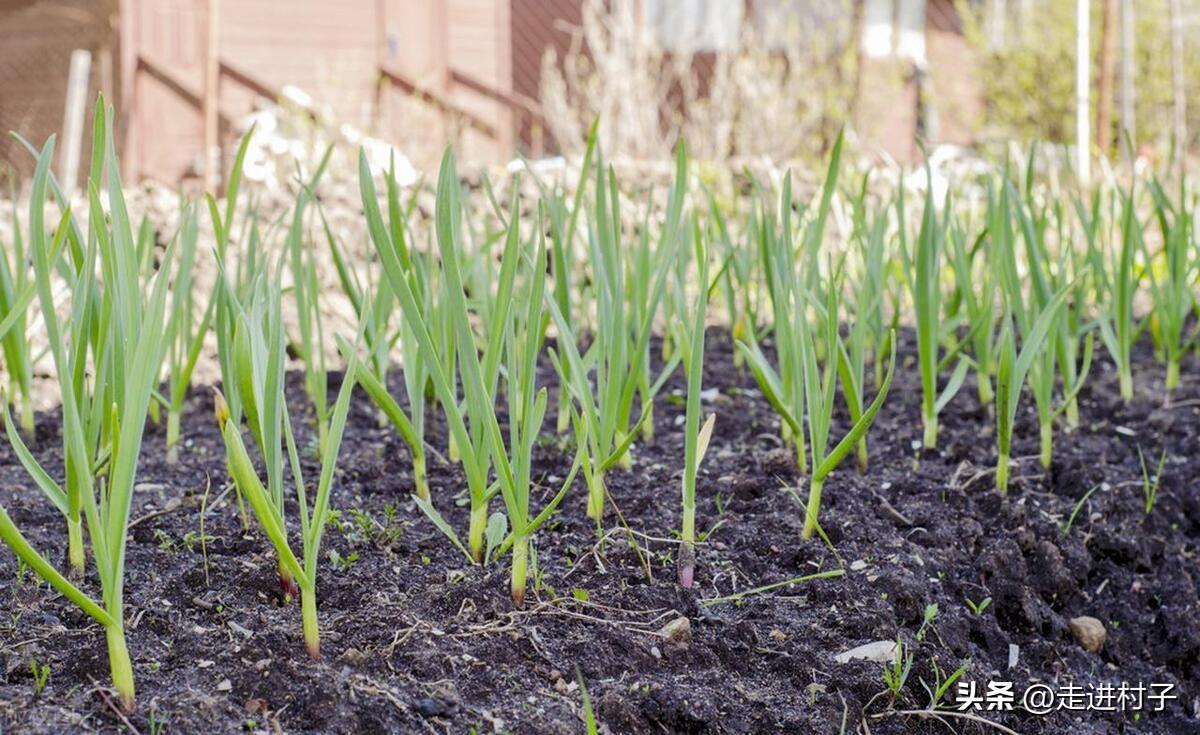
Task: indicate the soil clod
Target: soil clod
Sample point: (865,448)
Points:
(1089,632)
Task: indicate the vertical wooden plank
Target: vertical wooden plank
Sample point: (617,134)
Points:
(78,80)
(1178,92)
(107,61)
(440,48)
(440,59)
(1107,71)
(126,100)
(505,119)
(1083,81)
(382,106)
(212,97)
(1128,48)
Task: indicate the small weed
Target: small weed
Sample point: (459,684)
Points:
(192,539)
(165,542)
(157,726)
(931,613)
(979,607)
(41,676)
(364,528)
(22,573)
(1078,506)
(589,716)
(942,683)
(342,563)
(1150,484)
(896,674)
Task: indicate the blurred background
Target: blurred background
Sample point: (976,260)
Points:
(742,80)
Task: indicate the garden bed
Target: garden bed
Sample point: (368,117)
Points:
(418,640)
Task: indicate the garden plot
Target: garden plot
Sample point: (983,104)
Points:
(716,465)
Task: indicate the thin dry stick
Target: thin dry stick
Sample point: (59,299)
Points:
(102,692)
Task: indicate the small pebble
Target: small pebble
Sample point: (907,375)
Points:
(353,657)
(678,632)
(256,706)
(1089,631)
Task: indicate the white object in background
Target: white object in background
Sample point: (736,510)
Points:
(877,28)
(379,158)
(297,96)
(537,166)
(910,30)
(77,92)
(894,27)
(1083,73)
(688,26)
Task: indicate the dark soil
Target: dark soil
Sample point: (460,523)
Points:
(418,640)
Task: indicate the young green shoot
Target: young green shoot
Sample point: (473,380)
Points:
(930,616)
(117,324)
(1066,526)
(819,383)
(185,336)
(14,340)
(618,346)
(375,314)
(867,330)
(1174,290)
(1150,484)
(1117,286)
(975,288)
(895,673)
(1059,359)
(785,386)
(523,332)
(564,224)
(259,363)
(1013,368)
(589,715)
(820,392)
(306,297)
(314,517)
(978,608)
(738,280)
(695,437)
(466,419)
(923,272)
(943,682)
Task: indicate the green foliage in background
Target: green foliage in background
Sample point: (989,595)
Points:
(1028,83)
